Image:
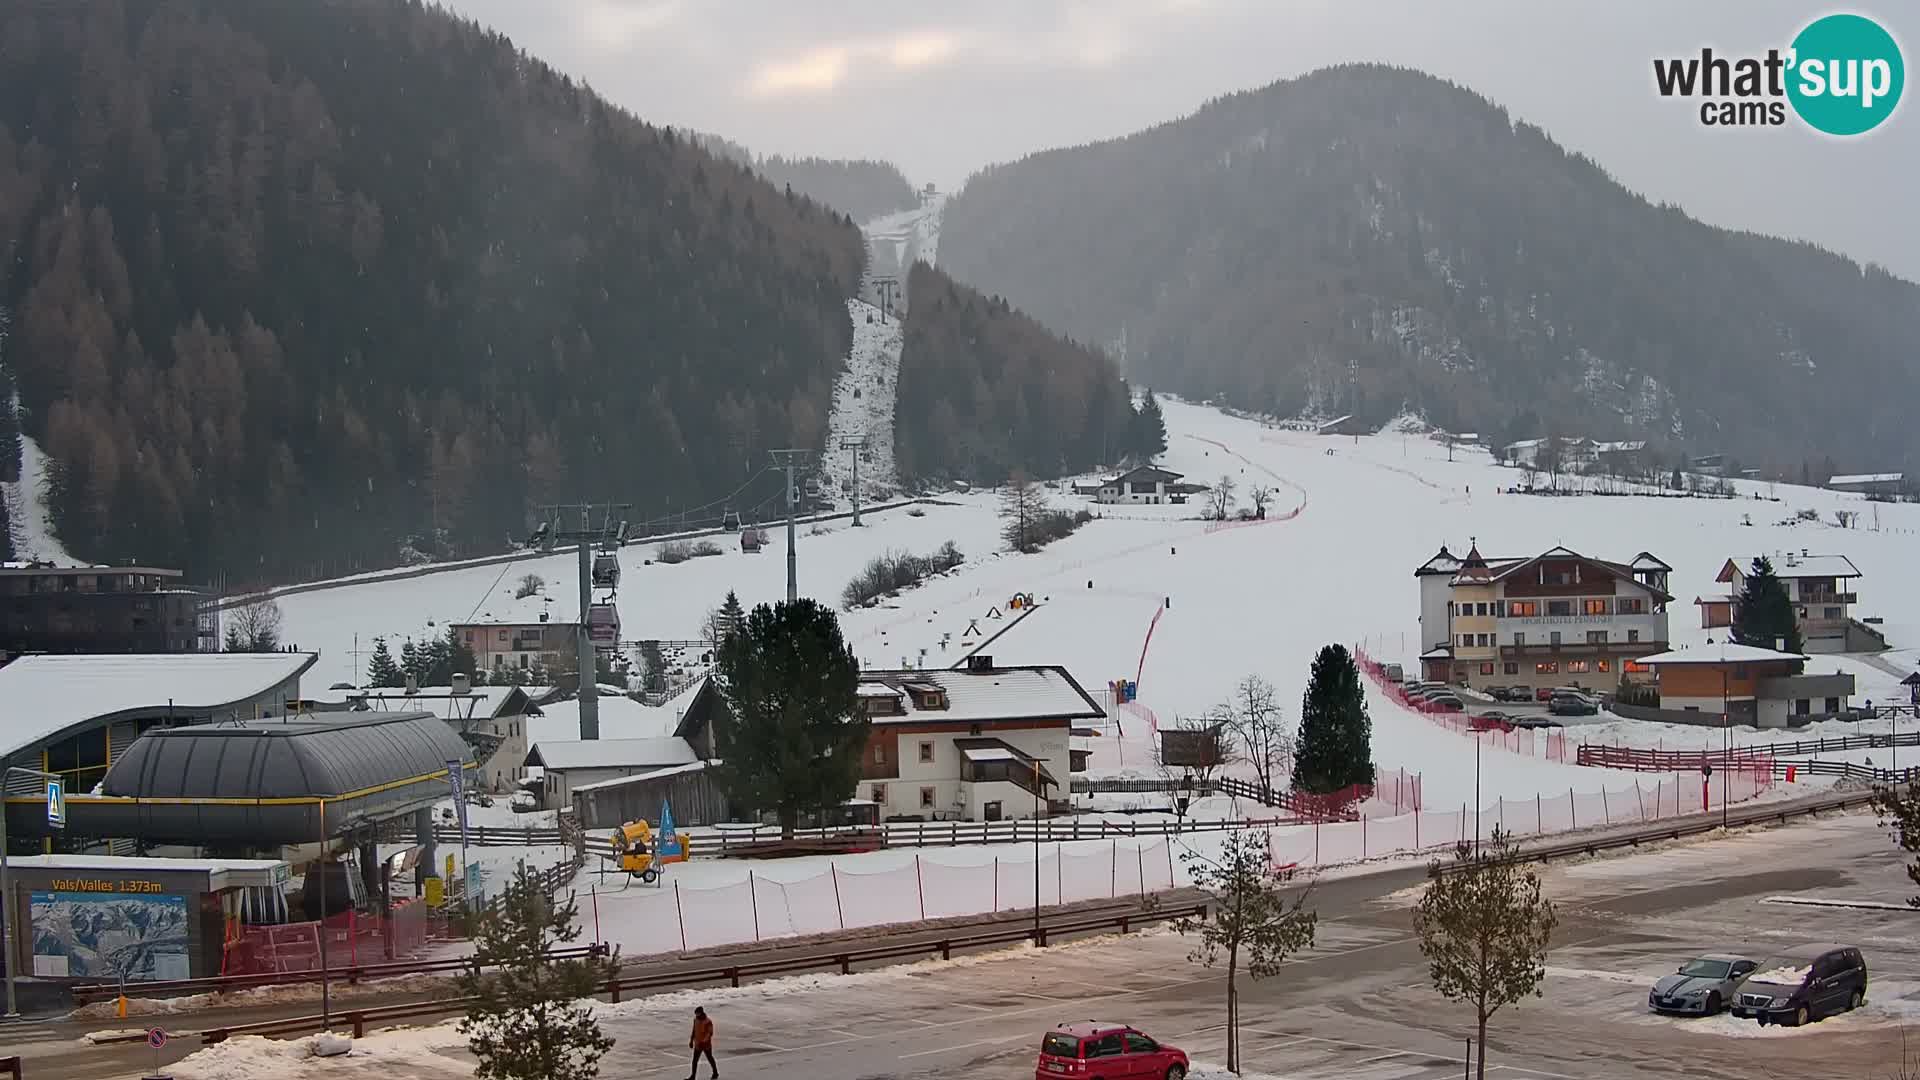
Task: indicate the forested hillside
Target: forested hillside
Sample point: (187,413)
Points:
(862,189)
(985,390)
(1366,239)
(293,282)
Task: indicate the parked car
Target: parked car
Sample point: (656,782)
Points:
(1567,704)
(1097,1051)
(1511,693)
(1702,986)
(1491,722)
(1804,984)
(1545,693)
(1446,703)
(1536,722)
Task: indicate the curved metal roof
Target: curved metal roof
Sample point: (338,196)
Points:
(273,782)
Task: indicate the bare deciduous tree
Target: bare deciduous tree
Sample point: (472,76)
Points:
(1484,925)
(253,626)
(1261,496)
(1220,499)
(1254,719)
(1251,923)
(528,585)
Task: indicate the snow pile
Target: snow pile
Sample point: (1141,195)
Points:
(407,1052)
(253,997)
(1203,1070)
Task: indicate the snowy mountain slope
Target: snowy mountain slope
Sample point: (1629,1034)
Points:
(863,398)
(897,241)
(1258,598)
(27,515)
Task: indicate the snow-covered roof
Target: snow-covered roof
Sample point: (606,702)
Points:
(1627,446)
(1443,563)
(611,753)
(877,690)
(651,774)
(1790,565)
(988,753)
(1867,478)
(42,696)
(221,873)
(1648,561)
(1725,652)
(621,717)
(1010,693)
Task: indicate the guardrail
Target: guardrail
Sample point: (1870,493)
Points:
(1690,826)
(359,1020)
(88,993)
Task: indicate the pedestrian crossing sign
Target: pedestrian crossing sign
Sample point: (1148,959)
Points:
(56,804)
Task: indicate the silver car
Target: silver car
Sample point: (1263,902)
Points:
(1703,986)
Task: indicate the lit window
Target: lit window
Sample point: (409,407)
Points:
(1547,667)
(1603,665)
(1576,667)
(1596,607)
(1486,669)
(1523,609)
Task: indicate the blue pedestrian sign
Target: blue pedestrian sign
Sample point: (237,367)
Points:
(56,804)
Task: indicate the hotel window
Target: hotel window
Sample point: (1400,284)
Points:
(1481,641)
(1576,667)
(1519,638)
(1596,637)
(1547,667)
(880,794)
(1595,607)
(1513,669)
(1830,613)
(1603,665)
(1523,609)
(1466,640)
(1559,607)
(1633,635)
(926,798)
(1631,605)
(1479,609)
(503,635)
(1499,609)
(1486,669)
(926,753)
(1634,667)
(1554,638)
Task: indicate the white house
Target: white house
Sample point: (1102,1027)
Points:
(1141,484)
(983,743)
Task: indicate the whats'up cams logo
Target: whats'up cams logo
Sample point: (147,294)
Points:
(1842,75)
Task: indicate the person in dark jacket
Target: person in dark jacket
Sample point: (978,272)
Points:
(702,1043)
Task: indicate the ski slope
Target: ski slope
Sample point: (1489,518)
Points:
(1334,562)
(863,398)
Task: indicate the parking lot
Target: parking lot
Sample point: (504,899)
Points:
(1358,1006)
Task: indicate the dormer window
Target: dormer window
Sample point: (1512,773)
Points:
(927,696)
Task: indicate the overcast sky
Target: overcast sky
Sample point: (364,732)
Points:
(943,89)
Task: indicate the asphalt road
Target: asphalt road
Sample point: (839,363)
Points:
(1356,1007)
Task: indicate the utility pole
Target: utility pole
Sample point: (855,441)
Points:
(855,443)
(789,460)
(587,535)
(888,287)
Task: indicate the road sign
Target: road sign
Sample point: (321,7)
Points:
(156,1038)
(436,893)
(56,804)
(474,899)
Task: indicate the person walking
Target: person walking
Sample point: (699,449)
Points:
(702,1043)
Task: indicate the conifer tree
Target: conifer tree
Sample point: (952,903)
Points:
(413,662)
(381,670)
(1335,747)
(1149,429)
(1763,616)
(794,735)
(532,1016)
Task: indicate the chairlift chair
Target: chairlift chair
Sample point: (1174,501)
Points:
(730,520)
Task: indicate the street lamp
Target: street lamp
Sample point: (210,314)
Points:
(1036,853)
(6,888)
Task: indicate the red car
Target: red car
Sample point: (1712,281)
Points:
(1096,1051)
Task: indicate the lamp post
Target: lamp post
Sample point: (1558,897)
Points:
(6,889)
(1036,852)
(1726,742)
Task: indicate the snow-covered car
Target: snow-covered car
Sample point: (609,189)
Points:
(1702,986)
(1804,984)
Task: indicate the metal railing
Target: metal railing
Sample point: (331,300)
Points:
(843,960)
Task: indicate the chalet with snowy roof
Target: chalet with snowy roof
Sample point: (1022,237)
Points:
(570,764)
(1141,484)
(1749,685)
(501,646)
(1886,483)
(1821,589)
(977,743)
(1556,619)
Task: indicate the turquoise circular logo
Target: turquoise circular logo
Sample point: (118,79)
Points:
(1847,74)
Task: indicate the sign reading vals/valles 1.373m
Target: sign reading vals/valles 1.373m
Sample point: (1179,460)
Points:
(103,885)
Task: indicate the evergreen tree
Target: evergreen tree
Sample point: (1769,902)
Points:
(1149,429)
(413,663)
(795,736)
(532,1016)
(381,670)
(444,656)
(1336,735)
(1762,614)
(731,616)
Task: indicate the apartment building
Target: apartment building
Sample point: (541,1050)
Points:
(500,646)
(1559,618)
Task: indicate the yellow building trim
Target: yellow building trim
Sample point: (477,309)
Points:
(299,800)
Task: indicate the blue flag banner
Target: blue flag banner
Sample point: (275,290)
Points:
(454,779)
(669,840)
